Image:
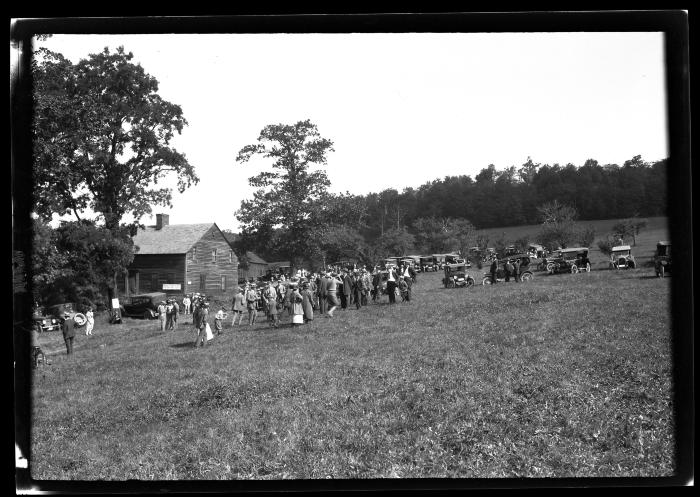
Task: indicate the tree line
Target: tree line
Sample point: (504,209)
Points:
(101,149)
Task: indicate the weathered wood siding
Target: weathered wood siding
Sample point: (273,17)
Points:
(157,269)
(200,265)
(254,270)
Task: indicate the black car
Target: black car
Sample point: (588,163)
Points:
(144,305)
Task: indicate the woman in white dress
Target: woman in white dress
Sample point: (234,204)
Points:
(90,321)
(297,307)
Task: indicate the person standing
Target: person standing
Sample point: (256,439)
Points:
(273,312)
(201,317)
(251,299)
(186,302)
(409,282)
(516,270)
(68,328)
(219,321)
(494,269)
(90,321)
(162,314)
(307,303)
(509,270)
(238,307)
(297,307)
(357,289)
(176,312)
(169,309)
(376,281)
(391,285)
(331,289)
(321,290)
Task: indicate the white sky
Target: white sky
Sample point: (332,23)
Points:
(402,109)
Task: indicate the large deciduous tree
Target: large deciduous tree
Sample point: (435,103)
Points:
(102,137)
(289,197)
(559,227)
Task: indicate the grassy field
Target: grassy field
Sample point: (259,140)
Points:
(565,376)
(656,229)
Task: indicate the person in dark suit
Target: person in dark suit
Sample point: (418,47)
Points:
(68,328)
(494,269)
(322,286)
(346,295)
(391,284)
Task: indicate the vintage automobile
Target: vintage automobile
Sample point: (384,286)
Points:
(622,258)
(428,263)
(525,269)
(456,276)
(662,259)
(569,260)
(43,322)
(144,305)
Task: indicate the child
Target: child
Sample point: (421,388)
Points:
(219,320)
(403,288)
(90,321)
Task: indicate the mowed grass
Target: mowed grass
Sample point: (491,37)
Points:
(565,376)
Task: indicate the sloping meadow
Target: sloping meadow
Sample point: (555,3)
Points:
(566,376)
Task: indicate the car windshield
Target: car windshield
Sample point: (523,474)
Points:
(140,300)
(663,250)
(622,252)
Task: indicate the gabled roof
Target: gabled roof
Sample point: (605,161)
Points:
(170,239)
(254,258)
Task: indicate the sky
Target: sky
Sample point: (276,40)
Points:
(401,109)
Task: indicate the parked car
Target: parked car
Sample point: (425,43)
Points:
(525,269)
(456,276)
(569,260)
(144,305)
(43,322)
(428,263)
(622,258)
(662,259)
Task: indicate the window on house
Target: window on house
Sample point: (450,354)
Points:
(213,255)
(202,282)
(194,253)
(230,256)
(223,283)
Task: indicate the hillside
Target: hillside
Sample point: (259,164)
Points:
(657,229)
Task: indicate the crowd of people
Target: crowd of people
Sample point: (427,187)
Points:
(295,299)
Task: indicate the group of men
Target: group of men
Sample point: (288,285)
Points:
(511,268)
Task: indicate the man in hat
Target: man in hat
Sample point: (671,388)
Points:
(239,305)
(322,284)
(186,302)
(68,328)
(331,290)
(251,298)
(200,319)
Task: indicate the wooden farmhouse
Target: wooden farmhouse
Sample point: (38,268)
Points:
(181,259)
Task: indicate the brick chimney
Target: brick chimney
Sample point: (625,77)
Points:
(162,220)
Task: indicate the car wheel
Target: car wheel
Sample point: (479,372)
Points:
(630,265)
(470,283)
(574,269)
(526,276)
(486,281)
(550,268)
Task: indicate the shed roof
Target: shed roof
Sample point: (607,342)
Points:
(170,239)
(254,258)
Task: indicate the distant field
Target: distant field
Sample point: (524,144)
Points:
(566,376)
(657,229)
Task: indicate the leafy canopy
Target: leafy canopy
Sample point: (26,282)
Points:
(102,138)
(289,198)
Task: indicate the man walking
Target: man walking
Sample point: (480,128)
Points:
(68,328)
(200,318)
(391,285)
